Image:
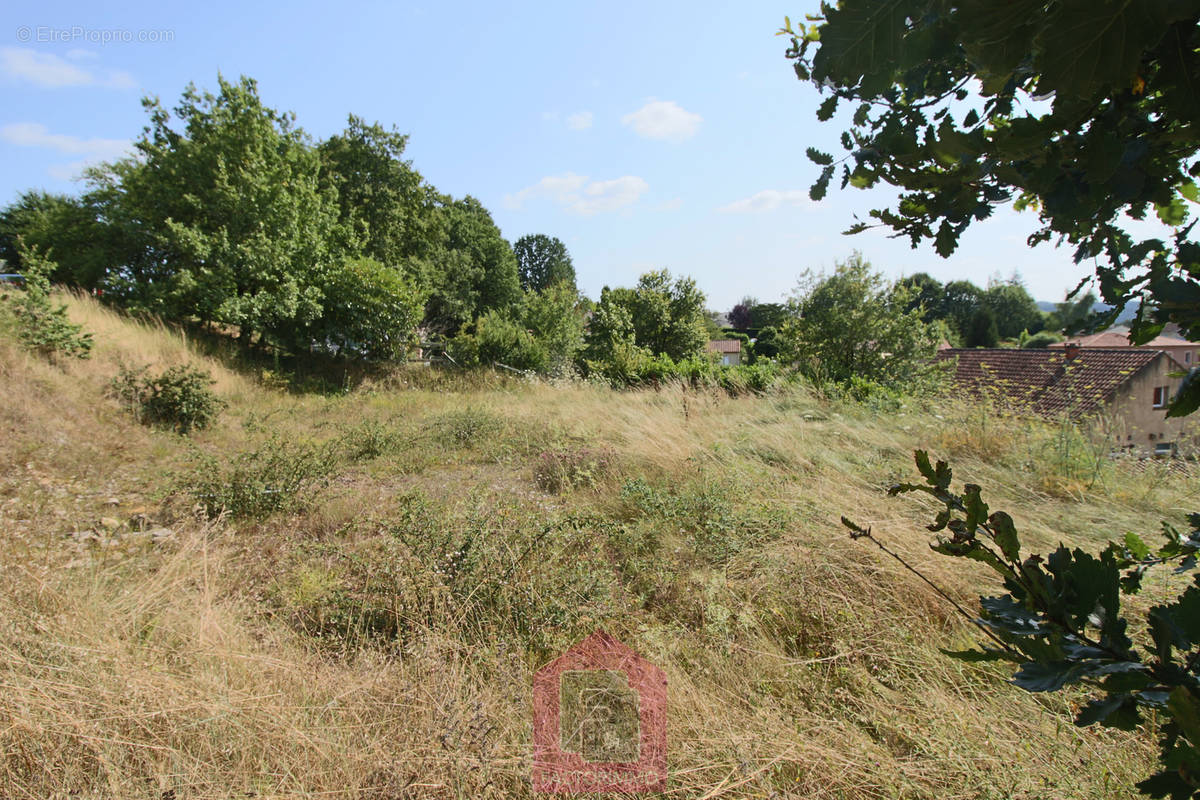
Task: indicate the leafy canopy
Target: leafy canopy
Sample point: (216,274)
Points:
(852,324)
(1085,112)
(543,261)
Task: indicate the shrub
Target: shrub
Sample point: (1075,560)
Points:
(181,398)
(1040,340)
(42,326)
(559,470)
(465,427)
(271,478)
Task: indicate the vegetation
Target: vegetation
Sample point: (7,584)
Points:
(42,325)
(375,622)
(949,113)
(852,325)
(1083,114)
(1062,621)
(181,398)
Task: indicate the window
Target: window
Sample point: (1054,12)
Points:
(1160,396)
(1164,449)
(1187,357)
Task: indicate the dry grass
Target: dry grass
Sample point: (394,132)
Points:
(333,653)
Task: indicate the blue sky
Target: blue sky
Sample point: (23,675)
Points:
(643,135)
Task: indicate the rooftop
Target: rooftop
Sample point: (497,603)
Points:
(1049,381)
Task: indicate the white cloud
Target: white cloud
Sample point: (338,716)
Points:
(79,54)
(663,119)
(769,200)
(88,151)
(579,121)
(49,71)
(580,196)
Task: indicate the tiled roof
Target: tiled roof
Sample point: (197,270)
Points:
(725,346)
(1047,380)
(1121,339)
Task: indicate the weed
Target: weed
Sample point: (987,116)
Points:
(465,427)
(557,471)
(276,476)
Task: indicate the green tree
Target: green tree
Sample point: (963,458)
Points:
(43,326)
(767,343)
(543,261)
(229,211)
(1012,307)
(1070,314)
(1085,113)
(382,201)
(667,315)
(476,273)
(764,315)
(556,320)
(69,225)
(926,293)
(853,325)
(960,301)
(982,330)
(369,310)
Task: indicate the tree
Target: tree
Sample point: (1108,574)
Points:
(1069,315)
(69,225)
(383,203)
(227,214)
(1012,307)
(43,326)
(1082,112)
(853,325)
(630,327)
(543,261)
(476,273)
(926,293)
(767,343)
(556,320)
(982,330)
(369,310)
(667,315)
(739,315)
(960,301)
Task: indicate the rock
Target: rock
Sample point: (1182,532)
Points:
(112,501)
(111,523)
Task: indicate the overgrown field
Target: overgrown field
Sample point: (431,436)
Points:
(392,564)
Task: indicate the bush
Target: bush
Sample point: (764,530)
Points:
(1040,340)
(259,482)
(465,427)
(43,327)
(181,398)
(499,339)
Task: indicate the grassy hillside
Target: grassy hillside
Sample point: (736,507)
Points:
(373,633)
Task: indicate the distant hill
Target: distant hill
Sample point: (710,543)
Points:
(1129,313)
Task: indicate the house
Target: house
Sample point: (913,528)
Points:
(1125,389)
(730,351)
(1185,352)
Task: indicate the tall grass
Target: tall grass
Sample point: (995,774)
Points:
(378,638)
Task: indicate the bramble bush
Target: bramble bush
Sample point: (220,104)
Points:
(1061,622)
(181,398)
(279,475)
